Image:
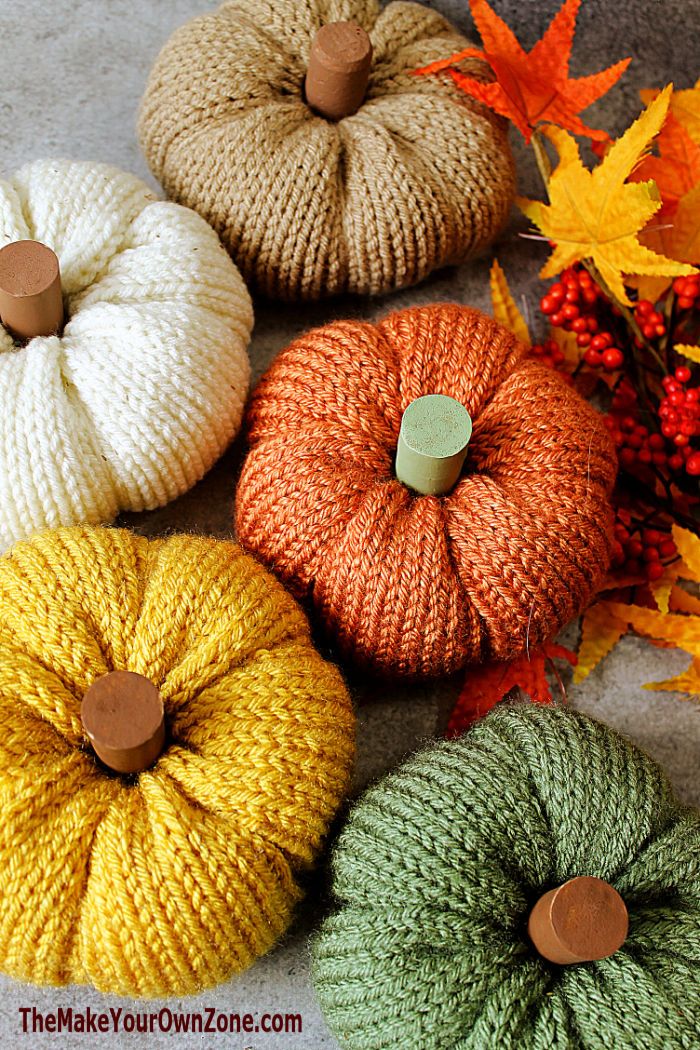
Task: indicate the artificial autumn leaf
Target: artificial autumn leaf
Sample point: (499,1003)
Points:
(691,352)
(687,682)
(487,685)
(678,630)
(677,233)
(688,547)
(676,170)
(681,601)
(601,630)
(504,309)
(607,621)
(596,214)
(534,87)
(685,107)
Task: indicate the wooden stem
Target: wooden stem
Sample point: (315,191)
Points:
(338,72)
(122,714)
(31,303)
(583,920)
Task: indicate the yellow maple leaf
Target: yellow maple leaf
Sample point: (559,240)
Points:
(601,630)
(597,215)
(651,288)
(691,352)
(680,630)
(687,682)
(688,546)
(504,309)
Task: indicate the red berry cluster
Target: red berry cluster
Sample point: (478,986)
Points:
(639,551)
(549,353)
(650,321)
(635,445)
(679,412)
(687,290)
(573,303)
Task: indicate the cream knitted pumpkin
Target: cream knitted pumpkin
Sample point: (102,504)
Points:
(417,178)
(133,402)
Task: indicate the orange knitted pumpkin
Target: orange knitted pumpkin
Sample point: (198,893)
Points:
(421,585)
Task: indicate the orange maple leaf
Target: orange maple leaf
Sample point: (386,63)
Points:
(677,168)
(531,87)
(685,107)
(677,233)
(487,685)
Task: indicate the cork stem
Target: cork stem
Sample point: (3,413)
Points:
(122,715)
(31,303)
(432,446)
(338,71)
(583,920)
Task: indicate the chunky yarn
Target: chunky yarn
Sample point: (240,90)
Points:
(441,862)
(166,882)
(420,585)
(419,177)
(145,387)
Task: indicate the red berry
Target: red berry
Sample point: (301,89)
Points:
(583,338)
(685,302)
(593,358)
(557,319)
(667,549)
(644,308)
(653,570)
(692,464)
(613,358)
(682,374)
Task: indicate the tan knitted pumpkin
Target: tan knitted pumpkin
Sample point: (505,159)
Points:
(417,178)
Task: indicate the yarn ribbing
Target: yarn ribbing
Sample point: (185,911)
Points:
(421,585)
(440,863)
(418,178)
(145,387)
(172,881)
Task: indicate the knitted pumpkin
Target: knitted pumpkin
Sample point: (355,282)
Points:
(420,585)
(144,388)
(165,882)
(441,863)
(417,178)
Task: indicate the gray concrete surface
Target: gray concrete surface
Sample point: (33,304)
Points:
(71,75)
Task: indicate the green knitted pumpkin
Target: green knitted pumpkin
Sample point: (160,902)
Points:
(441,862)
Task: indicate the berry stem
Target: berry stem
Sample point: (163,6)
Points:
(543,162)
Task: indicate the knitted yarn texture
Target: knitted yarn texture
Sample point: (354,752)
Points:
(145,387)
(440,863)
(419,177)
(421,585)
(173,880)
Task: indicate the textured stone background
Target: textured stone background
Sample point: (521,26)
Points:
(72,73)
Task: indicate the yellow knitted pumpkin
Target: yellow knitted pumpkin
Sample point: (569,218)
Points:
(417,178)
(168,881)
